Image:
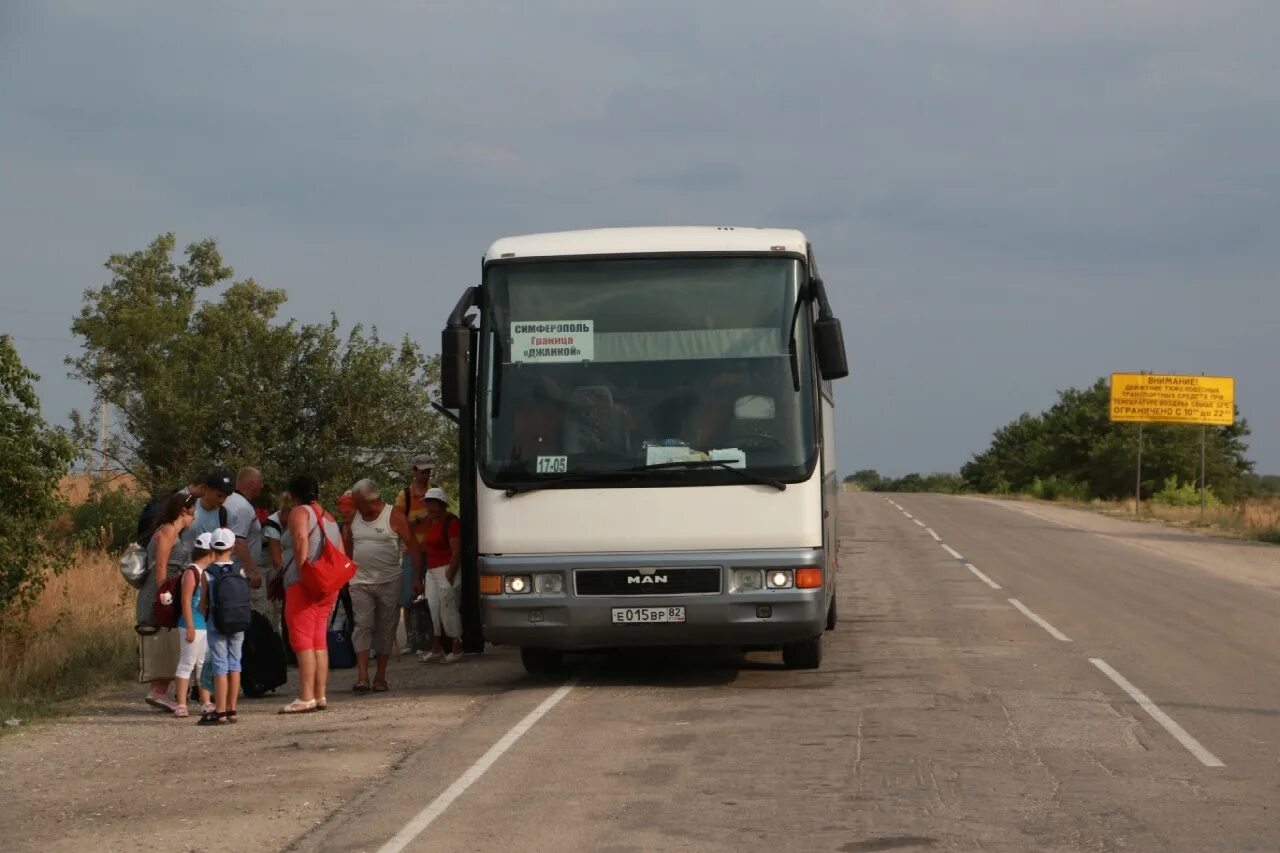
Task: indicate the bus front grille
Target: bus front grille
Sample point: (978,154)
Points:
(647,582)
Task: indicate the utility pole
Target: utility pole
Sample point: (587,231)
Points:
(1137,491)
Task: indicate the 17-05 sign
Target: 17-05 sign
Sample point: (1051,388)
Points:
(1173,399)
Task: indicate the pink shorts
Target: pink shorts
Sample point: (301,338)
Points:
(308,619)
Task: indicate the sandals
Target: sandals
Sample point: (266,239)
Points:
(322,704)
(181,711)
(380,687)
(231,717)
(161,701)
(297,706)
(361,687)
(212,718)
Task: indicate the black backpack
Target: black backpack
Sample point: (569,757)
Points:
(232,610)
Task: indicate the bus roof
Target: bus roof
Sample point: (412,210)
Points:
(644,241)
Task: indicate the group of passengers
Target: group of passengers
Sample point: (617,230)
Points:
(216,540)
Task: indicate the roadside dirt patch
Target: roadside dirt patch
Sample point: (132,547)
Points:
(121,776)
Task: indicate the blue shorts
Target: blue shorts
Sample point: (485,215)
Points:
(225,650)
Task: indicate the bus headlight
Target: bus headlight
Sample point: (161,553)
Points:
(780,579)
(747,580)
(549,584)
(518,585)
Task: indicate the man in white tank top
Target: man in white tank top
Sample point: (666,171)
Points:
(375,540)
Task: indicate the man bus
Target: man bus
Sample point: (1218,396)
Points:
(647,441)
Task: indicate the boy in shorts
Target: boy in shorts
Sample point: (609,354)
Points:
(224,649)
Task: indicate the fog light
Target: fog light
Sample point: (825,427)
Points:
(781,579)
(548,584)
(747,580)
(764,611)
(518,584)
(535,616)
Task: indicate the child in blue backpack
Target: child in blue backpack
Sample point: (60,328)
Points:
(223,576)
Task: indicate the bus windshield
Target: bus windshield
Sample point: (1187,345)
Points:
(615,371)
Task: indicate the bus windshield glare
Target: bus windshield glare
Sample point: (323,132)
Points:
(618,371)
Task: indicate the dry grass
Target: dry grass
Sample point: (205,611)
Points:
(78,636)
(1256,518)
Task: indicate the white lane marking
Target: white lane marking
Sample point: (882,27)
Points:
(437,807)
(952,551)
(918,521)
(988,581)
(1207,758)
(1026,611)
(936,537)
(907,514)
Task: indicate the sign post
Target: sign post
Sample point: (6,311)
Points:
(1173,399)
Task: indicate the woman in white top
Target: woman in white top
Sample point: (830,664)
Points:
(375,540)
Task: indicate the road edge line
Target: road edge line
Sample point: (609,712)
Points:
(423,819)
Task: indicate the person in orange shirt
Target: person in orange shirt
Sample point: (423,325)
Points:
(412,502)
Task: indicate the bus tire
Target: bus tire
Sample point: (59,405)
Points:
(833,615)
(806,654)
(541,662)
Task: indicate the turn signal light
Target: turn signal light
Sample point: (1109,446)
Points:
(808,578)
(491,584)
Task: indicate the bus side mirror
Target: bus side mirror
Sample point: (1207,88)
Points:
(455,367)
(828,344)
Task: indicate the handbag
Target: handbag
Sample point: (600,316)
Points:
(330,570)
(158,655)
(342,649)
(133,565)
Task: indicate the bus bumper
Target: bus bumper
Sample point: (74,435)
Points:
(569,622)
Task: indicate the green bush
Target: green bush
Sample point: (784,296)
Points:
(108,518)
(1187,494)
(1055,488)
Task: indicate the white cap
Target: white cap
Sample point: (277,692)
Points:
(205,541)
(436,495)
(222,539)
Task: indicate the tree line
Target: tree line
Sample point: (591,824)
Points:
(1072,450)
(199,371)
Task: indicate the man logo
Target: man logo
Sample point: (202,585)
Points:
(646,579)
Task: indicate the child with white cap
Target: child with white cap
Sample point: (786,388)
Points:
(225,592)
(191,625)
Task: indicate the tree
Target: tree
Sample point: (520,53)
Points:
(199,382)
(33,459)
(1075,444)
(867,479)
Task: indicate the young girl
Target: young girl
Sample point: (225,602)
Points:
(191,626)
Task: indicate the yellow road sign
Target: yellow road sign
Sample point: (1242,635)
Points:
(1164,398)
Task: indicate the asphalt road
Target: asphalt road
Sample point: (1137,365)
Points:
(1119,690)
(944,716)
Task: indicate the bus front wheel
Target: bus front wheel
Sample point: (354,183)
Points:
(541,662)
(807,654)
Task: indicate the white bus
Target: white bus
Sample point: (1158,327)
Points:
(647,442)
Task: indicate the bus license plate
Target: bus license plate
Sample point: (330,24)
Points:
(646,615)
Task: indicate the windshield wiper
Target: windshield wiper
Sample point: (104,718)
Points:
(717,463)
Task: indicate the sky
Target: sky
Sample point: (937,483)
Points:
(1006,199)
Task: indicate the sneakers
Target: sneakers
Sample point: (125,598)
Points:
(408,650)
(429,657)
(453,657)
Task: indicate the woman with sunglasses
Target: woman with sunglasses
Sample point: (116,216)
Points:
(166,552)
